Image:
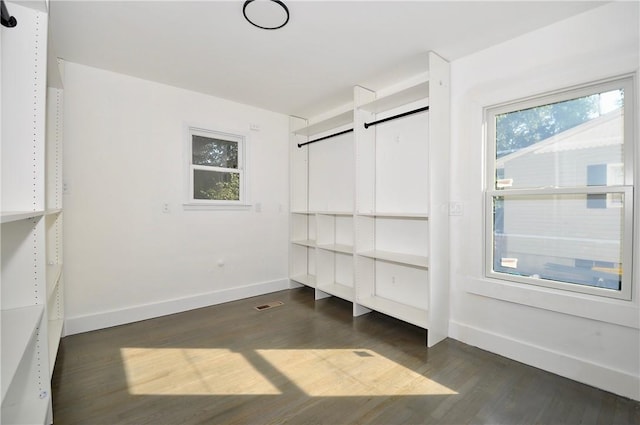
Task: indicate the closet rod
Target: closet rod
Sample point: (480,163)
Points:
(325,137)
(404,114)
(7,20)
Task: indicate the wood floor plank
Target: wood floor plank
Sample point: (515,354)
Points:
(306,362)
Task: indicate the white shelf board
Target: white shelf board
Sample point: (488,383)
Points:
(28,411)
(305,242)
(338,290)
(398,257)
(424,216)
(305,279)
(327,124)
(18,329)
(9,216)
(402,97)
(53,277)
(55,333)
(336,247)
(336,213)
(53,211)
(407,313)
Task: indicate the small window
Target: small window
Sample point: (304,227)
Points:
(216,167)
(560,190)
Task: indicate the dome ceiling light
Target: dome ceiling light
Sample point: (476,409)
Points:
(266,14)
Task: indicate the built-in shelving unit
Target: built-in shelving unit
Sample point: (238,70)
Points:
(387,248)
(322,243)
(32,306)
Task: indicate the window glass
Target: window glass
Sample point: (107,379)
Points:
(216,185)
(214,152)
(559,237)
(572,143)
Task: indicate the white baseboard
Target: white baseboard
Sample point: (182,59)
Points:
(107,319)
(577,369)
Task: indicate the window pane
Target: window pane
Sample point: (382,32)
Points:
(215,185)
(560,237)
(214,152)
(574,143)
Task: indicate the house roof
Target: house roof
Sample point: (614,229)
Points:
(598,132)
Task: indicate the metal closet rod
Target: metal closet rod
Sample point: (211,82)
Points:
(404,114)
(366,125)
(326,137)
(6,19)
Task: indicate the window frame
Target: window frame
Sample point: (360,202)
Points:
(627,83)
(232,136)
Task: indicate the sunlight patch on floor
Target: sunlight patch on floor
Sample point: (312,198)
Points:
(315,372)
(192,371)
(349,372)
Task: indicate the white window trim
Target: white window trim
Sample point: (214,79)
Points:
(628,83)
(242,138)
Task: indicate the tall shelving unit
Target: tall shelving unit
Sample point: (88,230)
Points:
(32,307)
(390,253)
(322,199)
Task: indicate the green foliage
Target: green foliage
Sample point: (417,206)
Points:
(226,190)
(517,130)
(214,152)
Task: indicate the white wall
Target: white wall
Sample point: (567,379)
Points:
(125,259)
(588,339)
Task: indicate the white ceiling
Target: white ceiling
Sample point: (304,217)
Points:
(303,69)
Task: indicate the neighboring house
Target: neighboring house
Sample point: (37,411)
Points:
(531,242)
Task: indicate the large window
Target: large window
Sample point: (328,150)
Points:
(559,198)
(216,167)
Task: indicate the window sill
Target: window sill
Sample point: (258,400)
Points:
(618,312)
(193,206)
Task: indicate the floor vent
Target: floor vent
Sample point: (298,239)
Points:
(269,305)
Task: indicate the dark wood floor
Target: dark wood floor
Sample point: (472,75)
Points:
(306,362)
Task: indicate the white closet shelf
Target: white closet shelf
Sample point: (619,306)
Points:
(410,314)
(336,247)
(397,257)
(327,124)
(18,329)
(396,215)
(400,98)
(54,271)
(10,216)
(336,213)
(55,334)
(305,242)
(338,290)
(305,279)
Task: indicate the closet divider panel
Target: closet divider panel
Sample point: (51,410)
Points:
(439,175)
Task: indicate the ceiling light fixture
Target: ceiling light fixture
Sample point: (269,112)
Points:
(266,14)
